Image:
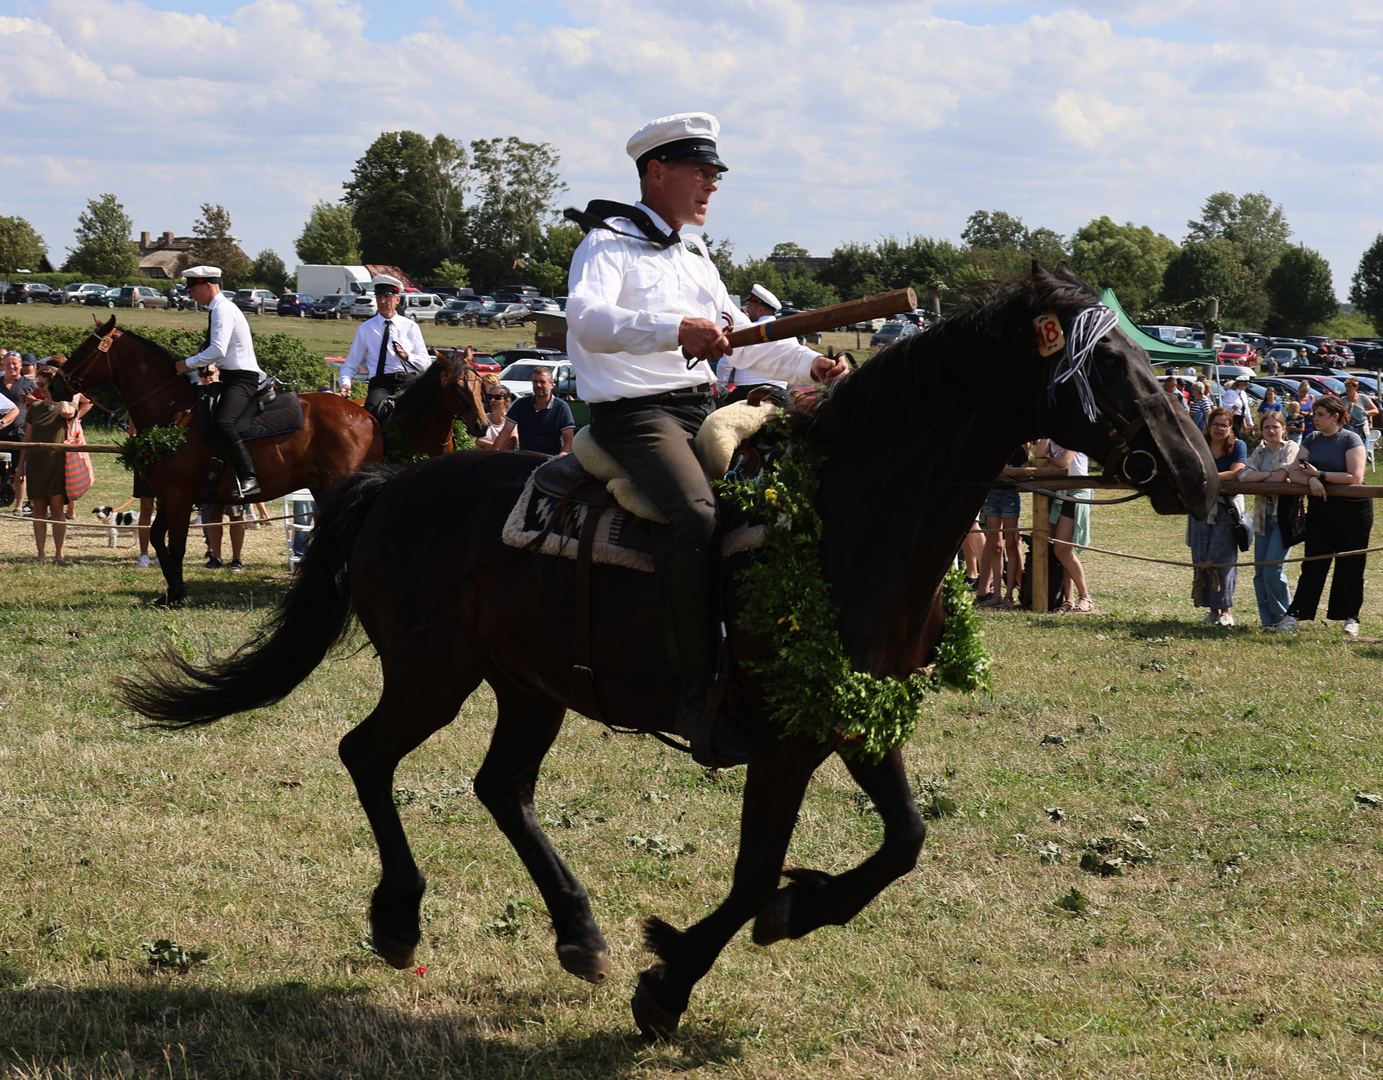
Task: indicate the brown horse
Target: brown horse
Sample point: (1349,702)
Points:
(449,390)
(335,440)
(899,489)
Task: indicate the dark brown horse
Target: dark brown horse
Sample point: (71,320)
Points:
(901,485)
(335,440)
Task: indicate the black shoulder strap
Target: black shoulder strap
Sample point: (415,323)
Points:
(597,210)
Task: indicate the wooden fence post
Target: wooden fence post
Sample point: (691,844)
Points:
(1041,541)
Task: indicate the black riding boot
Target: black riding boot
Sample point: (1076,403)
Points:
(248,485)
(690,616)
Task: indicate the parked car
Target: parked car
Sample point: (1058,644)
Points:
(891,332)
(140,296)
(519,365)
(503,316)
(453,312)
(105,298)
(256,301)
(420,306)
(1238,352)
(296,304)
(335,306)
(364,306)
(75,293)
(22,292)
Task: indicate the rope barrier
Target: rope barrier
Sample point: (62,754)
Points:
(1208,565)
(12,519)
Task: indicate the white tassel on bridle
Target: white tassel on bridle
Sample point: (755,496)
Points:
(1086,329)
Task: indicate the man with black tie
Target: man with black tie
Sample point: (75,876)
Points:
(390,348)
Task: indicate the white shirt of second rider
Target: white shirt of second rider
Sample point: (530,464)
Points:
(364,354)
(626,301)
(231,347)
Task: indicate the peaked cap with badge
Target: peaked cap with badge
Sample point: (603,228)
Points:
(680,137)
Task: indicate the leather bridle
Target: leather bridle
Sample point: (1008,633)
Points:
(104,344)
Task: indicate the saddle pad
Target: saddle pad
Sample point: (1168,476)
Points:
(621,539)
(283,416)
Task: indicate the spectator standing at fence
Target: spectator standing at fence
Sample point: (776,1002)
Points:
(544,423)
(1178,394)
(50,409)
(1269,404)
(1270,462)
(1070,521)
(1002,559)
(1200,404)
(1214,540)
(497,398)
(1307,401)
(1332,454)
(17,388)
(1363,412)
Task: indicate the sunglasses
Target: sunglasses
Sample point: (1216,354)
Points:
(496,397)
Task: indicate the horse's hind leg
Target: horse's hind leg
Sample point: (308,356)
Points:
(400,723)
(526,729)
(814,899)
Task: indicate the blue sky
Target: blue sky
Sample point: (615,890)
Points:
(841,121)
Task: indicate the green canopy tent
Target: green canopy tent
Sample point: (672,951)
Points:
(1158,351)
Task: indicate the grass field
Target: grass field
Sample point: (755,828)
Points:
(1251,943)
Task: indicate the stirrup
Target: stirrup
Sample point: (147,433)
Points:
(246,488)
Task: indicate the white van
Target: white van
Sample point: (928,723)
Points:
(421,306)
(1173,335)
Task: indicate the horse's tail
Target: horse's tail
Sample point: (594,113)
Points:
(313,616)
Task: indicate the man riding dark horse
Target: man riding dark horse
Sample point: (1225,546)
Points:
(390,348)
(646,319)
(230,347)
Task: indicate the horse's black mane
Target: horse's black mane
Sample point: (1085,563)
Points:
(424,394)
(153,346)
(908,398)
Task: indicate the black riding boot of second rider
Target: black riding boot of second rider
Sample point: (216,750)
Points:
(691,624)
(244,470)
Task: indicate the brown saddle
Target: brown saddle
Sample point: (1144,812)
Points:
(566,478)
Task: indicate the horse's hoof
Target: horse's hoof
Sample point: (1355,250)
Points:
(773,921)
(396,954)
(654,1022)
(593,965)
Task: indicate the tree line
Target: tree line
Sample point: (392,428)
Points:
(486,214)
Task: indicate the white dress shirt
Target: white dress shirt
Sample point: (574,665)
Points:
(364,354)
(231,348)
(625,304)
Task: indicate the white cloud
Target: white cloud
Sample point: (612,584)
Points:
(841,121)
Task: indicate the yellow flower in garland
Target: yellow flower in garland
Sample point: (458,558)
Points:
(771,494)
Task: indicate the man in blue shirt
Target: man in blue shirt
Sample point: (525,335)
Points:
(544,423)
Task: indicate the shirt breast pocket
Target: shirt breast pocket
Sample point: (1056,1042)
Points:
(649,288)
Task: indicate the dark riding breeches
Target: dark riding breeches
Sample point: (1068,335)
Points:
(652,438)
(237,387)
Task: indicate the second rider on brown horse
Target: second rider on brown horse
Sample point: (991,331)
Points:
(230,347)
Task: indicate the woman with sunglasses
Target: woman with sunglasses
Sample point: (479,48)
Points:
(497,400)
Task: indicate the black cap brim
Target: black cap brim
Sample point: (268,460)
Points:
(700,150)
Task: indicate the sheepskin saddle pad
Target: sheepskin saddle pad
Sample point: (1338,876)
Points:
(562,492)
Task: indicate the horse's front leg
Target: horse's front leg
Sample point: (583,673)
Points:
(773,792)
(168,534)
(815,899)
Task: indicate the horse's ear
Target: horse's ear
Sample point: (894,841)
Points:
(108,326)
(1063,268)
(1037,268)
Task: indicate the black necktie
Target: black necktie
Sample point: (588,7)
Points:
(383,349)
